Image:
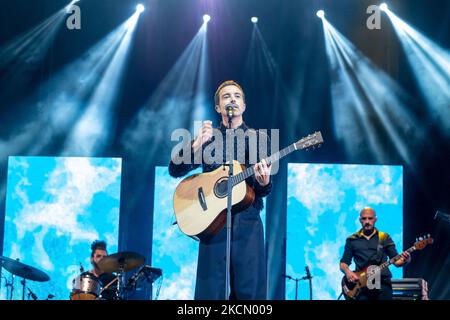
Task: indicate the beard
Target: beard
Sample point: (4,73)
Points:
(368,229)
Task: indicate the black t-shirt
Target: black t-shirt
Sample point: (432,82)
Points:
(369,252)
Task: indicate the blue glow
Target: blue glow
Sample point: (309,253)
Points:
(90,134)
(179,98)
(172,251)
(431,66)
(324,201)
(140,8)
(55,208)
(24,53)
(361,92)
(206,18)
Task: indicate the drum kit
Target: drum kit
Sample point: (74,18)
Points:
(24,271)
(87,286)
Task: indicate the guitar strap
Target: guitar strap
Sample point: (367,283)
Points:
(382,237)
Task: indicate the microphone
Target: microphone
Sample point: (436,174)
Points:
(308,273)
(230,109)
(81,268)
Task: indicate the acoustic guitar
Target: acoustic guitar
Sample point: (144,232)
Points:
(200,200)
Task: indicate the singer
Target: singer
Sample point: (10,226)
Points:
(248,262)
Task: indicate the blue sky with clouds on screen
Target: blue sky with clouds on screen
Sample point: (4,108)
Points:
(324,201)
(55,208)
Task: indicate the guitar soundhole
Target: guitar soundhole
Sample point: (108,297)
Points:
(220,189)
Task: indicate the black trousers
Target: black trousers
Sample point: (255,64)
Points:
(248,263)
(384,293)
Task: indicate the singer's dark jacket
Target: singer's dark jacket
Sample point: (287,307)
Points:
(260,192)
(248,265)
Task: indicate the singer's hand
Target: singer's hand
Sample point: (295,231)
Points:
(204,135)
(262,173)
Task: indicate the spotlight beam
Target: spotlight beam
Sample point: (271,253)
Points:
(431,66)
(372,92)
(181,92)
(91,133)
(24,53)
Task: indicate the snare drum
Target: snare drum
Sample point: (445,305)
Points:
(85,287)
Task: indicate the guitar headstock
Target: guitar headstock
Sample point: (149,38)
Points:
(422,242)
(311,140)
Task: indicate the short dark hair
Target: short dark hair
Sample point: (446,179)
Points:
(97,245)
(225,84)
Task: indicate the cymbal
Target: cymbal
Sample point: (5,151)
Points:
(23,270)
(121,261)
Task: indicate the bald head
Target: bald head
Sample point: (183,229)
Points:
(367,210)
(367,218)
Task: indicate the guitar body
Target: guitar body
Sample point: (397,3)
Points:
(200,201)
(351,290)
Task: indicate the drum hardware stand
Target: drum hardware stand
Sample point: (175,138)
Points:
(120,279)
(11,284)
(7,284)
(109,284)
(31,294)
(24,283)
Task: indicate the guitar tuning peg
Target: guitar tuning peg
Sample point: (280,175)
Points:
(420,238)
(428,235)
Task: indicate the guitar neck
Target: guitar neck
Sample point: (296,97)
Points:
(269,160)
(394,259)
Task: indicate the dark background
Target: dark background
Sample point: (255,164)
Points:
(296,100)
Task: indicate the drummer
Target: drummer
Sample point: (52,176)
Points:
(98,252)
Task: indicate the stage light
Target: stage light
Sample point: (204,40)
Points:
(383,7)
(254,19)
(140,8)
(206,18)
(320,14)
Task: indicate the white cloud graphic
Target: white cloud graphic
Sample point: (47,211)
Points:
(70,189)
(331,197)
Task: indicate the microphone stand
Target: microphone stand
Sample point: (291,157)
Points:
(296,283)
(229,205)
(307,277)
